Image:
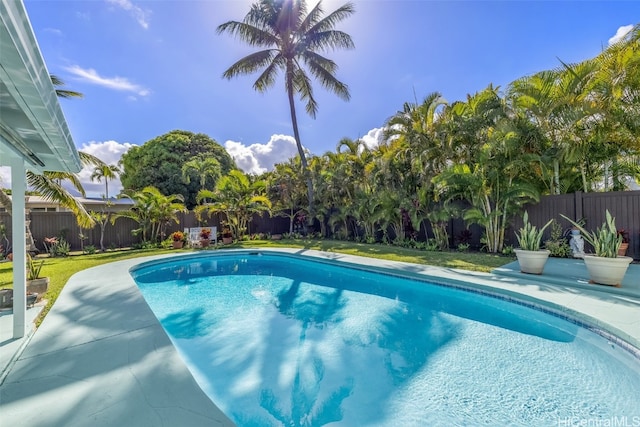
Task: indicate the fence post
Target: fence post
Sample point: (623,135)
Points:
(578,205)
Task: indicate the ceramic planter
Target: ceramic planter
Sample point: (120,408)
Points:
(607,271)
(623,249)
(532,262)
(177,244)
(38,286)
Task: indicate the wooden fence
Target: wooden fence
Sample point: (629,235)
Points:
(590,207)
(119,235)
(623,205)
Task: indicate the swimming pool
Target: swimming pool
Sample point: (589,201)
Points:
(280,340)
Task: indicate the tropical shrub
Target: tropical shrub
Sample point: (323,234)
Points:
(557,244)
(463,247)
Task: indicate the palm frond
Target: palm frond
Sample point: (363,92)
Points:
(51,190)
(250,63)
(329,21)
(90,160)
(248,33)
(63,93)
(302,85)
(268,77)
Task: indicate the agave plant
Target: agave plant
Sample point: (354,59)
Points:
(605,240)
(529,237)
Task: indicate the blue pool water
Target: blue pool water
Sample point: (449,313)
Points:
(276,340)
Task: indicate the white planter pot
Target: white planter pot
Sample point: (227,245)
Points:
(532,262)
(607,271)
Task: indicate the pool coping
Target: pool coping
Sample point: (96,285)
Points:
(101,356)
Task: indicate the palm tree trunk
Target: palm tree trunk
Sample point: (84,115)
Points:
(303,159)
(583,174)
(556,176)
(291,217)
(102,226)
(6,202)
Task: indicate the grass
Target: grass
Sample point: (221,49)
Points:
(59,270)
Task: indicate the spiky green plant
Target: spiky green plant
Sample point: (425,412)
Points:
(605,239)
(529,237)
(33,268)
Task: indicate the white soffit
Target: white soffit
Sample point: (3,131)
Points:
(32,125)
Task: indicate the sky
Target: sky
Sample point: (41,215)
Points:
(149,67)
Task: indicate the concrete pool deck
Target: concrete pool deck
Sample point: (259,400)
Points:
(101,358)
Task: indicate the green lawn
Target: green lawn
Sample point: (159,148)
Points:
(59,270)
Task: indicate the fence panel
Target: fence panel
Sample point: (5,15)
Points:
(590,207)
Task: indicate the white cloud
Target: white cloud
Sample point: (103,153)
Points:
(118,83)
(260,158)
(373,138)
(620,34)
(53,31)
(140,15)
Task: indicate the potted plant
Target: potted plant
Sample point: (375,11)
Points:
(227,236)
(177,238)
(625,242)
(604,266)
(36,284)
(205,237)
(530,256)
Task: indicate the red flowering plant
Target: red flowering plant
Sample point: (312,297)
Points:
(205,233)
(49,244)
(177,236)
(624,234)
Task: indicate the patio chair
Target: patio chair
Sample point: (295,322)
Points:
(193,237)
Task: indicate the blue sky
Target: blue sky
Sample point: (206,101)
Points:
(149,67)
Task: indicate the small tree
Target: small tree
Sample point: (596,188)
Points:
(152,210)
(238,198)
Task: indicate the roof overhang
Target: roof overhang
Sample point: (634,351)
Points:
(32,125)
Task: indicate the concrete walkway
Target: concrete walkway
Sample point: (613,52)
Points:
(101,358)
(11,347)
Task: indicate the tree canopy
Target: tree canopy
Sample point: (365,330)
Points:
(159,163)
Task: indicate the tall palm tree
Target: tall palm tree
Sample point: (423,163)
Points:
(106,172)
(290,38)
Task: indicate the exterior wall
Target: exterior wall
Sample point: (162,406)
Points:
(39,204)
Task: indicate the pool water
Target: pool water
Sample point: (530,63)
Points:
(276,340)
